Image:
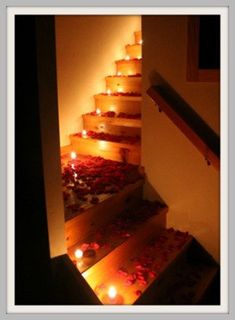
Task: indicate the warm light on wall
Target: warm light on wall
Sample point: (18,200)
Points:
(73,155)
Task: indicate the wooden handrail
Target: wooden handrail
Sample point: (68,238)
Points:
(189,122)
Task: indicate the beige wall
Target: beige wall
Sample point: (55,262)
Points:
(173,165)
(86,48)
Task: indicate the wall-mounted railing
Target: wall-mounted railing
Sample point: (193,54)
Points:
(189,122)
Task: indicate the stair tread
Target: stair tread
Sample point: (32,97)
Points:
(129,77)
(128,60)
(117,231)
(75,205)
(118,121)
(119,97)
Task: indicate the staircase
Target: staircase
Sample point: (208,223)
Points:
(117,240)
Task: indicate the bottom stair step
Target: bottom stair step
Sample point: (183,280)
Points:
(165,269)
(142,265)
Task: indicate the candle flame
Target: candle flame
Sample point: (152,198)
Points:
(127,57)
(84,133)
(78,254)
(73,155)
(119,73)
(139,57)
(141,41)
(98,111)
(112,292)
(109,92)
(75,175)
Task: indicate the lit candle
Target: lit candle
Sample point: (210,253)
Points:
(84,133)
(73,166)
(75,176)
(112,297)
(112,293)
(127,57)
(73,155)
(119,73)
(78,254)
(108,92)
(141,41)
(139,57)
(98,112)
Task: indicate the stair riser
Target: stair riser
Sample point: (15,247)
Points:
(117,104)
(138,36)
(129,67)
(134,51)
(109,265)
(82,225)
(118,130)
(96,121)
(123,84)
(106,149)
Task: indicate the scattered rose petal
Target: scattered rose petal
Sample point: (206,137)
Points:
(138,292)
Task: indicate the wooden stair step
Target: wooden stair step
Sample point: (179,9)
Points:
(113,125)
(138,36)
(123,83)
(129,67)
(106,238)
(134,50)
(117,151)
(144,264)
(128,104)
(92,121)
(79,225)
